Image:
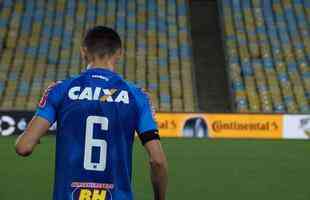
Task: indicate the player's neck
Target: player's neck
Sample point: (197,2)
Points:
(103,64)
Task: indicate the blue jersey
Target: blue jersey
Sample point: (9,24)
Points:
(97,114)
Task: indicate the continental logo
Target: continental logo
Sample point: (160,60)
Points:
(220,126)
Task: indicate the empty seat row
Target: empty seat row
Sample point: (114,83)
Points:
(267,55)
(40,43)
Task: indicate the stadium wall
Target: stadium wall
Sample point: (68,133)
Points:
(198,125)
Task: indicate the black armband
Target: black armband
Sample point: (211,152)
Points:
(148,136)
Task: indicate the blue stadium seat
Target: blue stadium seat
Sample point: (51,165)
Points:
(155,34)
(272,42)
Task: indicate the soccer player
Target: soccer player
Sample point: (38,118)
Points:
(97,114)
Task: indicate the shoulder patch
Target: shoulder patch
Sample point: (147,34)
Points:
(44,97)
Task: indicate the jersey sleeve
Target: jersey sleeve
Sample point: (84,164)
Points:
(47,107)
(146,114)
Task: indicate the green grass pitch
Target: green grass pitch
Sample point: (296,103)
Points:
(198,169)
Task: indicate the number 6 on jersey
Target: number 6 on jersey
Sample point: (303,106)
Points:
(90,142)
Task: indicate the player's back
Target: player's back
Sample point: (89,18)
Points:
(97,115)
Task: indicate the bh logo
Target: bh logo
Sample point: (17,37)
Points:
(92,194)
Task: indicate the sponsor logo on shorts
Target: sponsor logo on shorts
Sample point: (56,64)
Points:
(91,191)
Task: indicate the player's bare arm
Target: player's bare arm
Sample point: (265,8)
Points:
(26,142)
(158,168)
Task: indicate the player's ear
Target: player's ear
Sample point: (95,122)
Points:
(83,51)
(119,53)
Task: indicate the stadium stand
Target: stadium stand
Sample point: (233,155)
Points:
(267,50)
(40,41)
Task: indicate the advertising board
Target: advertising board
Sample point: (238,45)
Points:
(220,125)
(199,125)
(15,122)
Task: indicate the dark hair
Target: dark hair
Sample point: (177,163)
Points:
(102,41)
